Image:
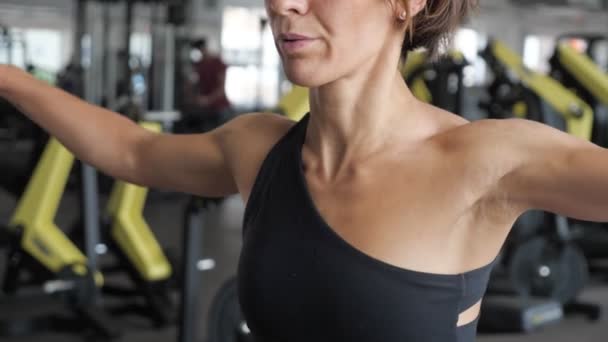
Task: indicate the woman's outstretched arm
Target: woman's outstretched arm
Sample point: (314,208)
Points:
(194,163)
(557,172)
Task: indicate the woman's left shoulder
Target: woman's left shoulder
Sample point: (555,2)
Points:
(507,126)
(515,123)
(505,131)
(511,143)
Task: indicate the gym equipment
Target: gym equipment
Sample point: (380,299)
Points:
(592,43)
(512,78)
(540,266)
(295,103)
(439,83)
(17,133)
(42,260)
(501,314)
(128,235)
(412,70)
(579,73)
(66,270)
(192,266)
(225,319)
(226,322)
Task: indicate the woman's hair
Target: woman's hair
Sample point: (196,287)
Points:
(434,24)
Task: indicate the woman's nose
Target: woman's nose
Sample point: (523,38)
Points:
(286,7)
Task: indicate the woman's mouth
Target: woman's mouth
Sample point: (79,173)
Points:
(291,43)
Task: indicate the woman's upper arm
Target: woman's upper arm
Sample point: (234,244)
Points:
(556,172)
(204,164)
(192,163)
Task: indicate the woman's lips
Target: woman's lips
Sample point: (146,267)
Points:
(292,42)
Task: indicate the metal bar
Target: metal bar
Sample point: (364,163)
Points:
(89,194)
(91,214)
(79,30)
(169,69)
(128,33)
(189,300)
(563,228)
(105,79)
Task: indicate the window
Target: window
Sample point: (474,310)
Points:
(12,48)
(141,47)
(41,47)
(44,48)
(538,51)
(253,62)
(469,42)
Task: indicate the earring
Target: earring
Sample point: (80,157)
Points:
(402,15)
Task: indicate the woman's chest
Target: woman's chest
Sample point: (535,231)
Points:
(418,215)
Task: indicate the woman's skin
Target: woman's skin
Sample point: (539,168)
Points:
(402,181)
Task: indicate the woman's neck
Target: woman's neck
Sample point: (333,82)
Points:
(353,119)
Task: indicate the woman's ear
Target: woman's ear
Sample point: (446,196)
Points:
(415,6)
(402,8)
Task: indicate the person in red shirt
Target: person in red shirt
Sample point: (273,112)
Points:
(210,100)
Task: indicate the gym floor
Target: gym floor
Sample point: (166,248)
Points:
(222,241)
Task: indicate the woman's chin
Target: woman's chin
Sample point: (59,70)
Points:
(304,77)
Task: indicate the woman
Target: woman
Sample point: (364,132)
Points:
(377,217)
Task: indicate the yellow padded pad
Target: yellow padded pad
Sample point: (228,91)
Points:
(577,113)
(585,71)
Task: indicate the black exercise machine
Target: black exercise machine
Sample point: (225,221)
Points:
(437,82)
(226,322)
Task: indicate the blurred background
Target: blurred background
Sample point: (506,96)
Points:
(83,256)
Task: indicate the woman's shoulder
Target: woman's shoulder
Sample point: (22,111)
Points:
(254,134)
(501,144)
(455,126)
(259,126)
(498,131)
(246,141)
(487,139)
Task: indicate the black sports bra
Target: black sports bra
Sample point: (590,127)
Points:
(300,281)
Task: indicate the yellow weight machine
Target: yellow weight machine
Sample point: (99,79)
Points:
(436,82)
(41,256)
(578,72)
(41,260)
(518,91)
(294,104)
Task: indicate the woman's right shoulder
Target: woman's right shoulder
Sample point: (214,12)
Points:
(262,121)
(246,141)
(256,128)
